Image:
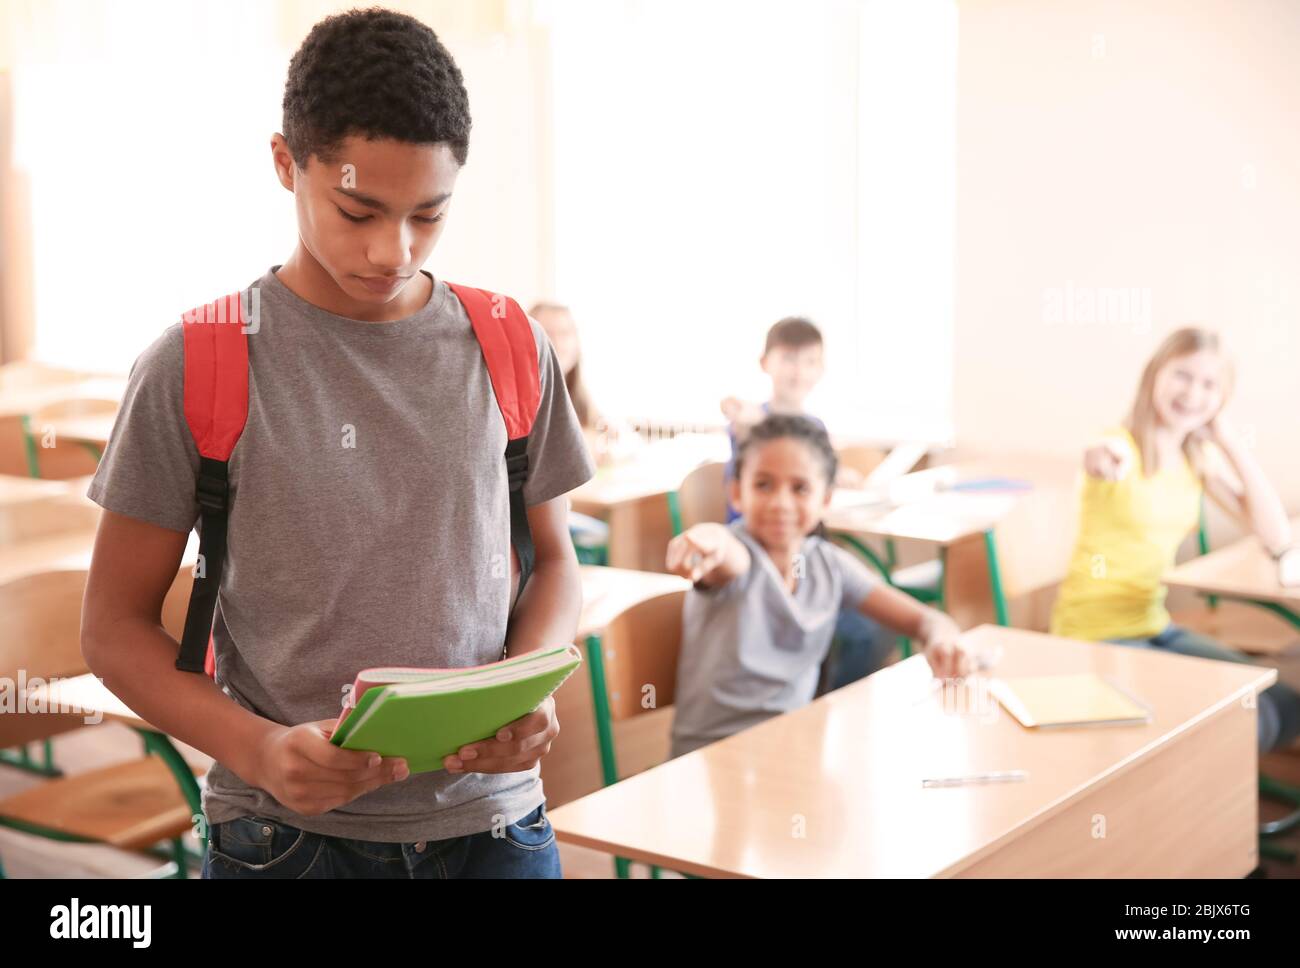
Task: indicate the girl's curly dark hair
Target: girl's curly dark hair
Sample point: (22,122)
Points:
(777,425)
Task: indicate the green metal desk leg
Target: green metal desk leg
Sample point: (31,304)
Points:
(600,700)
(675,512)
(159,745)
(604,728)
(1281,611)
(1203,542)
(865,551)
(995,578)
(29,444)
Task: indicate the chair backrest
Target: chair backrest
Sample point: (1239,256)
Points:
(640,650)
(1035,542)
(861,458)
(40,624)
(702,495)
(40,620)
(40,632)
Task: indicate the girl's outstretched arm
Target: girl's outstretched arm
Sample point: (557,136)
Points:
(708,554)
(937,635)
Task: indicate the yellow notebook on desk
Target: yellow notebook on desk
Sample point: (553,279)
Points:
(1079,700)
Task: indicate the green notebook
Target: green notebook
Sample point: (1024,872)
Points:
(423,715)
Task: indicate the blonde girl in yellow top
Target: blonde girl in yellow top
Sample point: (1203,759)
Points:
(1142,498)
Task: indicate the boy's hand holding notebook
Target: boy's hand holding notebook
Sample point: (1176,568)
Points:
(424,715)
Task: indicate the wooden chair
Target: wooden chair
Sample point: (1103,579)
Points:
(701,497)
(64,460)
(132,806)
(16,454)
(861,458)
(626,696)
(40,618)
(924,580)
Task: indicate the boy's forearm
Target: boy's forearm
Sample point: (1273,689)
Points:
(547,613)
(137,664)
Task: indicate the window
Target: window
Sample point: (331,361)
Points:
(720,165)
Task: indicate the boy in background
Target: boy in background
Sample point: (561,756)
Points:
(793,358)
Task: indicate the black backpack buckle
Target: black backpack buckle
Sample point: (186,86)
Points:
(211,493)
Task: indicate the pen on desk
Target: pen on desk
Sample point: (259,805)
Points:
(1007,776)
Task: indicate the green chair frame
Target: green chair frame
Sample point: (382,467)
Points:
(181,857)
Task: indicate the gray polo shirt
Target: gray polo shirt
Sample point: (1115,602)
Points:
(750,649)
(369,526)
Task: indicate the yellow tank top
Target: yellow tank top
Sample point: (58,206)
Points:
(1129,534)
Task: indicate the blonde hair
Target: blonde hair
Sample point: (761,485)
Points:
(578,393)
(1142,420)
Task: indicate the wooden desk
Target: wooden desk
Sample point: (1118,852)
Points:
(19,491)
(87,692)
(1243,571)
(32,509)
(64,552)
(993,544)
(92,430)
(834,789)
(632,496)
(22,399)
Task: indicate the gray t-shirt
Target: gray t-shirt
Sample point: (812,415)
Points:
(751,650)
(369,526)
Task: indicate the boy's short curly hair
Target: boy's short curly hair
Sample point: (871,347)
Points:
(378,74)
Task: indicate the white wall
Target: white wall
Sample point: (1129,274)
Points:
(1152,146)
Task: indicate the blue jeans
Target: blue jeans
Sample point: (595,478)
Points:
(260,847)
(860,647)
(1278,706)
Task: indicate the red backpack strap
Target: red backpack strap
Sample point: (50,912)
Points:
(216,408)
(509,349)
